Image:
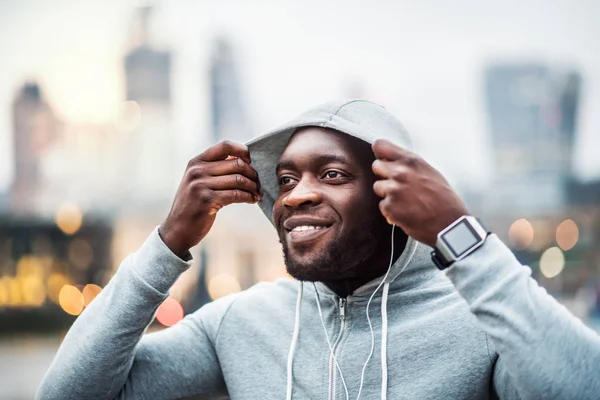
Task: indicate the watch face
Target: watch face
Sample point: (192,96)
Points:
(461,238)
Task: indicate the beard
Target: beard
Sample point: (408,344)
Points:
(341,259)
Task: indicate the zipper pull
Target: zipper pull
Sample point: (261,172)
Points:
(342,309)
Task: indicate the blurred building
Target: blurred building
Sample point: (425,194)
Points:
(532,113)
(534,202)
(148,167)
(147,70)
(35,129)
(584,199)
(143,149)
(53,255)
(584,194)
(50,250)
(3,201)
(228,117)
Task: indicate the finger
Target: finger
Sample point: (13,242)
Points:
(226,197)
(383,208)
(224,149)
(382,168)
(232,166)
(391,170)
(384,187)
(386,150)
(234,181)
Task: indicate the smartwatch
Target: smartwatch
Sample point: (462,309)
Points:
(458,240)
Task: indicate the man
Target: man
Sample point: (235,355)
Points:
(370,315)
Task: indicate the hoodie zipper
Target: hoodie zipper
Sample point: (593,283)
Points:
(332,366)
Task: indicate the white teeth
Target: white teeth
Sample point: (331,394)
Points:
(306,228)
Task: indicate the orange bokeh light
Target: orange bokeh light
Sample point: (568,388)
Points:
(520,234)
(68,218)
(71,300)
(90,291)
(170,312)
(567,234)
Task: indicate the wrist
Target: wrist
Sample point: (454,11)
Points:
(170,239)
(443,224)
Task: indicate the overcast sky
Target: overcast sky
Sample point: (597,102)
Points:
(422,59)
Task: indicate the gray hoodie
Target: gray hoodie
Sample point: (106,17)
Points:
(484,329)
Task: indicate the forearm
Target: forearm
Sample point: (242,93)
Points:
(98,351)
(548,352)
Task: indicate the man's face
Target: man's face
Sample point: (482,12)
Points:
(327,214)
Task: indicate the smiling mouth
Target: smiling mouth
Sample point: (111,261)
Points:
(306,233)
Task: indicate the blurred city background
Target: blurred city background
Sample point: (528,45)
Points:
(102,103)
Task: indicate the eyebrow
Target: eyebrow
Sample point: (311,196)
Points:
(320,160)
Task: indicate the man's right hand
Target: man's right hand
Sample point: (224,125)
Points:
(220,176)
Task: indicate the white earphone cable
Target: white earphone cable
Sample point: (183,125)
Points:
(362,375)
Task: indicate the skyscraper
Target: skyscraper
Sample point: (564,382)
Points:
(147,70)
(149,146)
(532,112)
(35,128)
(228,118)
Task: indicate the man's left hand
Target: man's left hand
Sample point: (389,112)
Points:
(416,197)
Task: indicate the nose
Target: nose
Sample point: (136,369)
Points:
(304,194)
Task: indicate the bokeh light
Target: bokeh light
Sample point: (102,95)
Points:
(71,300)
(567,234)
(68,218)
(27,286)
(29,265)
(33,292)
(14,290)
(169,312)
(129,117)
(520,234)
(552,262)
(80,253)
(89,292)
(222,285)
(4,291)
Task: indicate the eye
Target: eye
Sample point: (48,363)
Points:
(285,180)
(331,174)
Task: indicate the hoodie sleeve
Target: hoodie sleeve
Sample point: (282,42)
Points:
(105,355)
(544,352)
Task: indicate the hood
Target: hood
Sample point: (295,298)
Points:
(364,120)
(359,118)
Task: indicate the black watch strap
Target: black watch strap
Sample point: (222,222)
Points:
(440,262)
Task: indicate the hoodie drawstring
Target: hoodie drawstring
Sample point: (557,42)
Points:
(290,360)
(384,330)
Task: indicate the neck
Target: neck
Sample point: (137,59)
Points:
(373,269)
(347,287)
